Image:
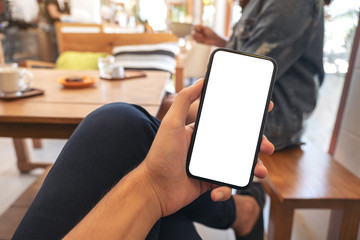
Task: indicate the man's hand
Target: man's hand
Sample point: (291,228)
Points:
(159,184)
(164,166)
(205,35)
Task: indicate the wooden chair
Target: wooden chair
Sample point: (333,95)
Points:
(94,38)
(36,64)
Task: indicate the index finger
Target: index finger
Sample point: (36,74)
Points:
(180,108)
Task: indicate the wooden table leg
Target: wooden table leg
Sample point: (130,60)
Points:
(350,221)
(335,224)
(344,223)
(23,157)
(37,143)
(281,220)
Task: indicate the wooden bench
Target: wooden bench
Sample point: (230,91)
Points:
(11,218)
(306,177)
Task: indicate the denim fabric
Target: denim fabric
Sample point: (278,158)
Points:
(291,32)
(109,143)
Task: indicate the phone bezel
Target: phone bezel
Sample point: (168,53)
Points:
(269,95)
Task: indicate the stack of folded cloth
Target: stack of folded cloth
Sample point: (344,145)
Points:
(160,56)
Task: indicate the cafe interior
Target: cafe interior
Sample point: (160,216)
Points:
(95,53)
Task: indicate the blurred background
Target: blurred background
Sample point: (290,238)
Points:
(26,34)
(25,25)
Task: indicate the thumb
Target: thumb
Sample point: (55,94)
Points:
(220,194)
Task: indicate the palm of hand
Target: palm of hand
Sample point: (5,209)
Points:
(172,185)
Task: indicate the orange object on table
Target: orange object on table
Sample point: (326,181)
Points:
(77,82)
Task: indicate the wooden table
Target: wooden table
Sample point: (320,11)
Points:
(57,113)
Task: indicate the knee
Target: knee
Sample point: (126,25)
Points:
(120,114)
(114,113)
(119,118)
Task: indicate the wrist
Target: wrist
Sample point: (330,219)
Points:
(144,188)
(128,211)
(221,42)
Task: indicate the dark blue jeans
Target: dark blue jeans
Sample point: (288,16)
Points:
(108,144)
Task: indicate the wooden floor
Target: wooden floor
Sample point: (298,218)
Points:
(11,218)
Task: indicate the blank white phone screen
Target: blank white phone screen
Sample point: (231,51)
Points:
(231,118)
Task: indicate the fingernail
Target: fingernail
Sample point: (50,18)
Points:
(219,196)
(198,81)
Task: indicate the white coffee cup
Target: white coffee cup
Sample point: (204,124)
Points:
(14,80)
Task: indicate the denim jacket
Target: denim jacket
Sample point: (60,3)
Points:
(291,32)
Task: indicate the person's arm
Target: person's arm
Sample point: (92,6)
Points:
(159,186)
(205,35)
(128,211)
(53,11)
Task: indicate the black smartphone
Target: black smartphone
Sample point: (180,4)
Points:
(231,117)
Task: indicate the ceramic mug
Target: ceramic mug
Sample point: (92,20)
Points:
(14,80)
